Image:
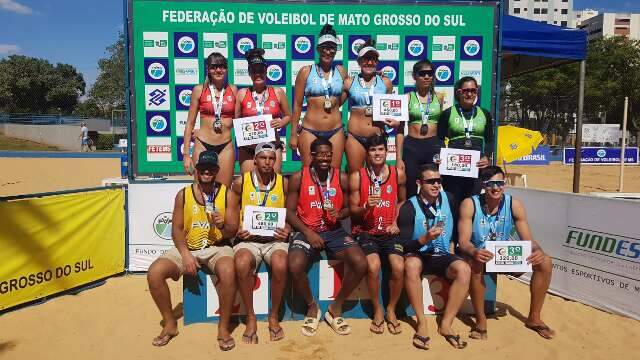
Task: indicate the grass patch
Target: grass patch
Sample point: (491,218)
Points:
(9,143)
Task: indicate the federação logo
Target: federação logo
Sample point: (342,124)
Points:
(443,73)
(185,97)
(162,225)
(186,44)
(389,72)
(245,44)
(601,153)
(356,44)
(156,71)
(302,44)
(158,123)
(471,47)
(415,47)
(274,72)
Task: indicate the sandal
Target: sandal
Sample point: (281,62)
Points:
(226,344)
(478,334)
(395,329)
(455,341)
(310,325)
(162,340)
(377,328)
(276,334)
(542,330)
(338,324)
(421,342)
(250,338)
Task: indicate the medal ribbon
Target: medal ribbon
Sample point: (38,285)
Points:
(217,105)
(425,110)
(326,84)
(324,194)
(493,219)
(468,123)
(259,105)
(369,94)
(256,185)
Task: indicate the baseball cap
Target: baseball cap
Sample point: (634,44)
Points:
(367,49)
(266,146)
(207,159)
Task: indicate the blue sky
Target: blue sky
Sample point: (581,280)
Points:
(78,31)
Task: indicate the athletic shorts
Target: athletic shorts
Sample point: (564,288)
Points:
(207,256)
(335,241)
(384,245)
(261,251)
(85,141)
(437,264)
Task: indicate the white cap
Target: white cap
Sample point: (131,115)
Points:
(367,49)
(328,38)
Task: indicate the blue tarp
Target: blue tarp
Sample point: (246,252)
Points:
(532,38)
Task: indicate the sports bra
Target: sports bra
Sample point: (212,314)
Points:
(314,87)
(206,103)
(271,104)
(358,95)
(415,115)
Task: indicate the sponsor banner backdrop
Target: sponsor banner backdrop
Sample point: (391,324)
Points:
(601,156)
(59,242)
(150,212)
(171,39)
(594,244)
(539,156)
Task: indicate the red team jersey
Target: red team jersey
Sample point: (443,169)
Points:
(206,103)
(271,105)
(311,209)
(376,220)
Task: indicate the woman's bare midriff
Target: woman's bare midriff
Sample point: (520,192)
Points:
(414,131)
(362,125)
(318,119)
(208,135)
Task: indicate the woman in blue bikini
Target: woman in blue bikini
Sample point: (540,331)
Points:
(321,85)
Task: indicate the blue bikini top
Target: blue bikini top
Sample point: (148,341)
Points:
(358,95)
(314,86)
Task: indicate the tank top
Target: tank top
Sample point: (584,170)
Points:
(415,113)
(314,85)
(271,104)
(251,195)
(359,97)
(197,230)
(311,208)
(421,223)
(456,132)
(376,220)
(500,224)
(207,103)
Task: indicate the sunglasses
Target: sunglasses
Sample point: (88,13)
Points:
(494,183)
(431,181)
(327,154)
(203,169)
(425,73)
(468,91)
(217,66)
(329,48)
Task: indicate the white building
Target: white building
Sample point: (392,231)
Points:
(610,24)
(553,12)
(582,15)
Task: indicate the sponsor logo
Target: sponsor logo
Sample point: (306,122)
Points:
(415,47)
(443,73)
(159,149)
(355,45)
(156,71)
(389,107)
(302,44)
(443,47)
(162,225)
(244,44)
(158,123)
(274,72)
(254,130)
(601,243)
(150,43)
(186,71)
(215,44)
(186,44)
(185,97)
(264,220)
(157,97)
(601,153)
(509,255)
(312,190)
(385,46)
(459,162)
(389,72)
(471,47)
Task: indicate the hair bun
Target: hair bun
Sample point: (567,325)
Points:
(327,29)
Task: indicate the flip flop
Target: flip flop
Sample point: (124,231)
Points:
(377,328)
(310,324)
(478,334)
(421,342)
(395,329)
(273,334)
(250,339)
(542,330)
(226,344)
(455,341)
(162,340)
(338,324)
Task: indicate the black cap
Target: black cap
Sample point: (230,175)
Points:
(207,159)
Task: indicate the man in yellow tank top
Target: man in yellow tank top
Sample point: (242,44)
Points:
(260,187)
(199,231)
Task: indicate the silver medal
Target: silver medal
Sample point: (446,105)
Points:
(468,143)
(368,111)
(327,104)
(208,207)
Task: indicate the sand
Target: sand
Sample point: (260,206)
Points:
(119,319)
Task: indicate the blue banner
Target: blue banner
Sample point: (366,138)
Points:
(540,156)
(601,156)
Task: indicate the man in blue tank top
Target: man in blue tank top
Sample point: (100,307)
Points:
(492,216)
(427,225)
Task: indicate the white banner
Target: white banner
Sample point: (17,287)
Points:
(601,133)
(459,162)
(150,212)
(595,246)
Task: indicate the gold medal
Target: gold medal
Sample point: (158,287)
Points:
(327,104)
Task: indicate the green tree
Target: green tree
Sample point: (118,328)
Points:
(108,91)
(34,85)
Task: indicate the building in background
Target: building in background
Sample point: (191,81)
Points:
(582,15)
(553,12)
(610,24)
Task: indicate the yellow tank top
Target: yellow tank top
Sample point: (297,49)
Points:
(251,195)
(197,230)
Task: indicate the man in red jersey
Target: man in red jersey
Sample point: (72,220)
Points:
(376,192)
(315,207)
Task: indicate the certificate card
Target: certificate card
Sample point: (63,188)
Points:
(459,162)
(509,256)
(253,130)
(260,220)
(390,106)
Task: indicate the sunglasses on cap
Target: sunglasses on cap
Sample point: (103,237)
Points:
(425,73)
(431,181)
(494,183)
(468,91)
